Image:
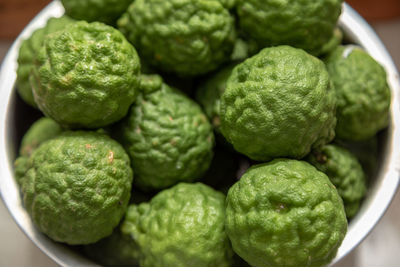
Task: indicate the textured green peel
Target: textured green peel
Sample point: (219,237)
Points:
(107,11)
(77,187)
(278,103)
(86,76)
(181,226)
(344,171)
(29,49)
(40,131)
(186,37)
(285,213)
(167,136)
(306,24)
(363,94)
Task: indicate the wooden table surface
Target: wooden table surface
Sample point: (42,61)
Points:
(15,14)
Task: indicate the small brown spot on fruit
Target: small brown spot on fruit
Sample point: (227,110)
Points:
(110,156)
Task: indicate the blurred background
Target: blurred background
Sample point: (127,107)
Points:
(380,248)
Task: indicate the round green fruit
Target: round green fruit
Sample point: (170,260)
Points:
(345,172)
(86,76)
(333,43)
(181,226)
(77,187)
(28,50)
(40,131)
(306,24)
(167,136)
(185,37)
(209,95)
(278,103)
(107,11)
(116,250)
(363,94)
(285,213)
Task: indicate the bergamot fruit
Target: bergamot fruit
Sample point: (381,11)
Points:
(186,37)
(306,24)
(77,187)
(345,172)
(285,213)
(29,49)
(180,227)
(167,136)
(116,250)
(363,95)
(333,43)
(209,95)
(39,132)
(107,11)
(86,76)
(278,103)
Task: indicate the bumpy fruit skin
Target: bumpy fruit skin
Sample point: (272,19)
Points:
(107,11)
(306,24)
(285,213)
(181,226)
(116,250)
(186,37)
(167,136)
(228,3)
(363,95)
(29,49)
(209,95)
(86,76)
(77,187)
(39,132)
(244,49)
(278,103)
(345,172)
(333,43)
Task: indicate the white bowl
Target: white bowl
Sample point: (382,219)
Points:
(382,187)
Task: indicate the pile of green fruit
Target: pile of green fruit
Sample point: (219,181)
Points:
(198,132)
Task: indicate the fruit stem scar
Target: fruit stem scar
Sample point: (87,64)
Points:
(110,156)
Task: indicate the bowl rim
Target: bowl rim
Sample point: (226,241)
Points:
(372,210)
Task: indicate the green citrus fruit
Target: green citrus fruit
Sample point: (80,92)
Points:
(167,136)
(363,94)
(39,132)
(278,103)
(77,187)
(209,95)
(186,37)
(285,213)
(306,24)
(333,43)
(86,76)
(107,11)
(181,226)
(345,172)
(29,49)
(116,250)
